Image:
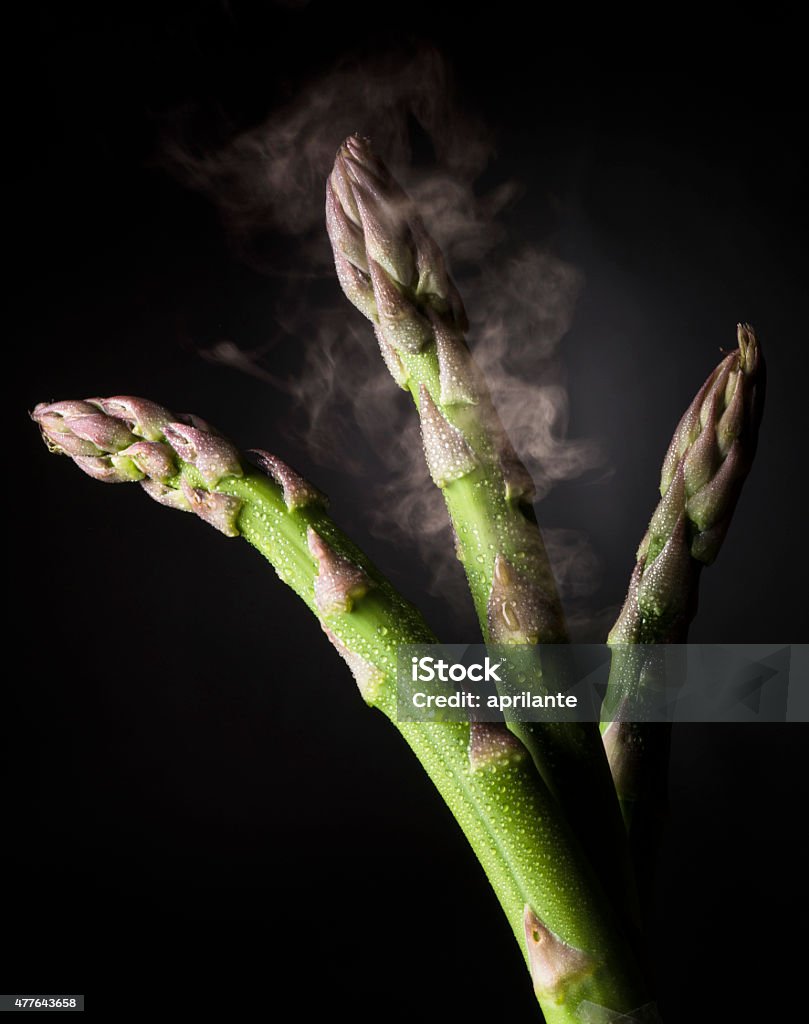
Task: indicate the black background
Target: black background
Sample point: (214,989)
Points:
(196,795)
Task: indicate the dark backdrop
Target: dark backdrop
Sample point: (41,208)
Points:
(196,795)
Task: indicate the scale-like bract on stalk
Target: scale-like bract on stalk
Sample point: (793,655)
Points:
(704,469)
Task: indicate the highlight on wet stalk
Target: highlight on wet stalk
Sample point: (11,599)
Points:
(540,803)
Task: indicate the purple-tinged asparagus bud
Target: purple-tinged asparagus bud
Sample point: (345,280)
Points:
(213,456)
(399,320)
(218,510)
(153,458)
(297,491)
(342,192)
(518,612)
(702,456)
(357,285)
(109,469)
(358,148)
(519,485)
(713,502)
(435,288)
(346,234)
(66,443)
(448,454)
(168,496)
(51,415)
(434,284)
(749,350)
(190,419)
(373,182)
(728,405)
(107,434)
(391,359)
(145,418)
(718,458)
(53,419)
(388,265)
(553,963)
(491,745)
(339,583)
(702,476)
(665,586)
(731,422)
(457,377)
(687,431)
(384,230)
(97,436)
(368,677)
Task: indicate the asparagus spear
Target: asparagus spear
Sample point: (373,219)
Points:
(569,936)
(703,472)
(393,272)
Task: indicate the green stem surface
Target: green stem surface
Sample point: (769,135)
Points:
(571,938)
(512,822)
(569,756)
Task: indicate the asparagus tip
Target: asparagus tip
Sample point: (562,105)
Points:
(357,146)
(748,347)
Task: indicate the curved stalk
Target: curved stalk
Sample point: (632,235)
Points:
(569,936)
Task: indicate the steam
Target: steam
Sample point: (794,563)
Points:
(269,181)
(272,178)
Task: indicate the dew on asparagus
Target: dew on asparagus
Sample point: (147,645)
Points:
(456,374)
(213,456)
(339,582)
(448,455)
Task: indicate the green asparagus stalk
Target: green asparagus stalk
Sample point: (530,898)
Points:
(569,936)
(703,472)
(393,272)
